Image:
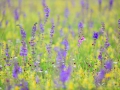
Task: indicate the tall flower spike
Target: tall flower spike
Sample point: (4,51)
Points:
(66,44)
(41,28)
(99,77)
(66,12)
(100,2)
(34,30)
(22,32)
(65,73)
(16,70)
(61,55)
(16,14)
(52,30)
(7,51)
(110,4)
(23,50)
(119,23)
(80,25)
(47,12)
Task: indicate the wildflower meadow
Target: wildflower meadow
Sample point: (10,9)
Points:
(59,44)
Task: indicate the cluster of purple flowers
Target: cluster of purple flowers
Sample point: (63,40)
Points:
(41,28)
(17,70)
(101,75)
(80,25)
(16,14)
(66,44)
(34,30)
(64,74)
(95,35)
(23,50)
(52,30)
(7,51)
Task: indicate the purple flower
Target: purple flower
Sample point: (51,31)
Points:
(47,11)
(41,28)
(65,43)
(52,30)
(108,65)
(3,13)
(107,44)
(23,50)
(48,47)
(82,3)
(99,1)
(61,32)
(110,3)
(43,3)
(16,70)
(64,73)
(37,79)
(24,85)
(101,74)
(95,35)
(119,21)
(80,25)
(99,77)
(16,14)
(34,30)
(61,55)
(66,12)
(100,57)
(7,51)
(23,33)
(9,2)
(6,22)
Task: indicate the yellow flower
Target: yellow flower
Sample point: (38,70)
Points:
(108,75)
(17,88)
(48,85)
(34,84)
(70,87)
(81,72)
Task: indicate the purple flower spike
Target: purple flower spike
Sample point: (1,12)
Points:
(107,44)
(66,13)
(80,25)
(23,51)
(52,30)
(108,65)
(65,74)
(47,11)
(41,28)
(110,3)
(119,21)
(101,74)
(100,2)
(34,30)
(65,43)
(99,77)
(16,14)
(16,70)
(23,33)
(24,85)
(7,51)
(95,35)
